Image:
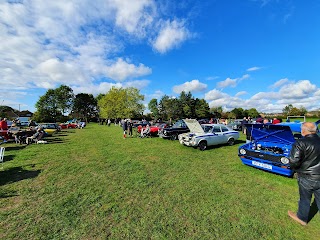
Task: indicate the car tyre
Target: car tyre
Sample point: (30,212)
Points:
(231,141)
(202,145)
(174,137)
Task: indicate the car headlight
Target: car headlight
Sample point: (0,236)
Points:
(242,151)
(165,132)
(284,160)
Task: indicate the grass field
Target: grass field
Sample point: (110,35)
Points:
(93,184)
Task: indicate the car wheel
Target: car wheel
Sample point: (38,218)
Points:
(231,141)
(202,145)
(174,137)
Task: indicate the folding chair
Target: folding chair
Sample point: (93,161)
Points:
(1,156)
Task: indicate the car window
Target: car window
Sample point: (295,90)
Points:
(216,129)
(224,129)
(207,129)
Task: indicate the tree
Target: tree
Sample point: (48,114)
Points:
(252,112)
(47,108)
(217,111)
(84,106)
(153,107)
(238,112)
(202,108)
(287,109)
(4,110)
(121,103)
(64,95)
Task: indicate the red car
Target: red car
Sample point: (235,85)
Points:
(154,129)
(68,125)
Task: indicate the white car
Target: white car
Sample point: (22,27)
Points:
(205,135)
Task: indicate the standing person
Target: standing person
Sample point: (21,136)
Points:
(305,160)
(4,129)
(109,122)
(124,128)
(130,128)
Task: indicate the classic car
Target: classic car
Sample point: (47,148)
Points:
(68,125)
(140,124)
(154,129)
(50,128)
(269,146)
(173,132)
(236,124)
(205,135)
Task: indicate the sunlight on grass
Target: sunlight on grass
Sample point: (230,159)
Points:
(93,184)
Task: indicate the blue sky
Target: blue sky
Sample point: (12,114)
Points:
(262,54)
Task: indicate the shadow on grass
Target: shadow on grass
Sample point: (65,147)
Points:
(56,140)
(7,194)
(17,174)
(8,158)
(15,148)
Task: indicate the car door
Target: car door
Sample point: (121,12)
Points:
(224,134)
(215,137)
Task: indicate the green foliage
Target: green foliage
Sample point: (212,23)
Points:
(84,106)
(54,104)
(4,110)
(202,108)
(121,103)
(238,112)
(186,106)
(290,110)
(153,107)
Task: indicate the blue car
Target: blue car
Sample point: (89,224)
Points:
(269,146)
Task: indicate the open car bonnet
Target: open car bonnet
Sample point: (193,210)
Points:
(194,126)
(270,133)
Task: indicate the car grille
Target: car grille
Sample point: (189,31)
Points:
(264,156)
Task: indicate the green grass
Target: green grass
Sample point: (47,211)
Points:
(93,184)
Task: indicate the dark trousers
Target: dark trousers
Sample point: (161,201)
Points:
(307,187)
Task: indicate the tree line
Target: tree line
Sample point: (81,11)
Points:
(61,104)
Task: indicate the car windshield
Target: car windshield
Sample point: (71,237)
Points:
(179,124)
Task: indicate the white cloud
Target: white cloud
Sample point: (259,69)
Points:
(134,16)
(157,94)
(139,84)
(253,69)
(299,90)
(192,86)
(241,93)
(79,43)
(229,82)
(122,70)
(280,83)
(171,35)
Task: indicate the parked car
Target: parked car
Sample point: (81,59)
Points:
(202,136)
(270,145)
(236,124)
(49,128)
(140,123)
(172,132)
(154,129)
(68,125)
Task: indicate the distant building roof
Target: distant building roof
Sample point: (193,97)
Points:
(25,113)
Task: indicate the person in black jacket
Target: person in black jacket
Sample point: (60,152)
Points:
(305,160)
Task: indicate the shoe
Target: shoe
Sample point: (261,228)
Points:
(295,217)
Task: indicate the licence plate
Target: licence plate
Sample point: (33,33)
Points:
(263,165)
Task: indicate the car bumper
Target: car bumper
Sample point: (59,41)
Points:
(266,165)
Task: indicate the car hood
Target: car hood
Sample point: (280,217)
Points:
(270,133)
(194,126)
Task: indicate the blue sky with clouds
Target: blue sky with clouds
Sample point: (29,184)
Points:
(233,53)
